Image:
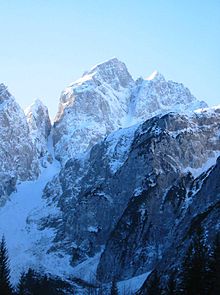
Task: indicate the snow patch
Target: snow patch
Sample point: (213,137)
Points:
(93,229)
(119,143)
(209,110)
(87,269)
(132,285)
(208,164)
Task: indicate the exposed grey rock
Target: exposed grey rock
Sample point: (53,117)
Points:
(7,186)
(18,159)
(203,210)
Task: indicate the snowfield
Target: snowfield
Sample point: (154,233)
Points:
(27,245)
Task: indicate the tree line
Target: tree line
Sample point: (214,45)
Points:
(30,283)
(33,283)
(198,275)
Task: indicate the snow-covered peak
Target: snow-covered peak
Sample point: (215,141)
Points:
(112,71)
(111,74)
(107,98)
(155,95)
(156,77)
(35,108)
(18,159)
(39,125)
(38,112)
(38,117)
(92,107)
(2,88)
(4,93)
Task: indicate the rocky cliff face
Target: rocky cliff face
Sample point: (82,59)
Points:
(40,126)
(130,190)
(107,98)
(200,206)
(155,94)
(18,161)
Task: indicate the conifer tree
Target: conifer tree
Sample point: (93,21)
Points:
(195,266)
(21,285)
(5,286)
(214,268)
(154,285)
(114,288)
(171,285)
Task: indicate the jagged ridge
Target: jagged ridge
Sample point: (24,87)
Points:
(107,98)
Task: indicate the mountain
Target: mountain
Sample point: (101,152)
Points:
(155,94)
(90,108)
(115,188)
(203,209)
(107,98)
(133,165)
(177,158)
(18,161)
(40,126)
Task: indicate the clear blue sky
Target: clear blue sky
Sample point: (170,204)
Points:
(47,44)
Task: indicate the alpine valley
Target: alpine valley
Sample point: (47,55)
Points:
(115,189)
